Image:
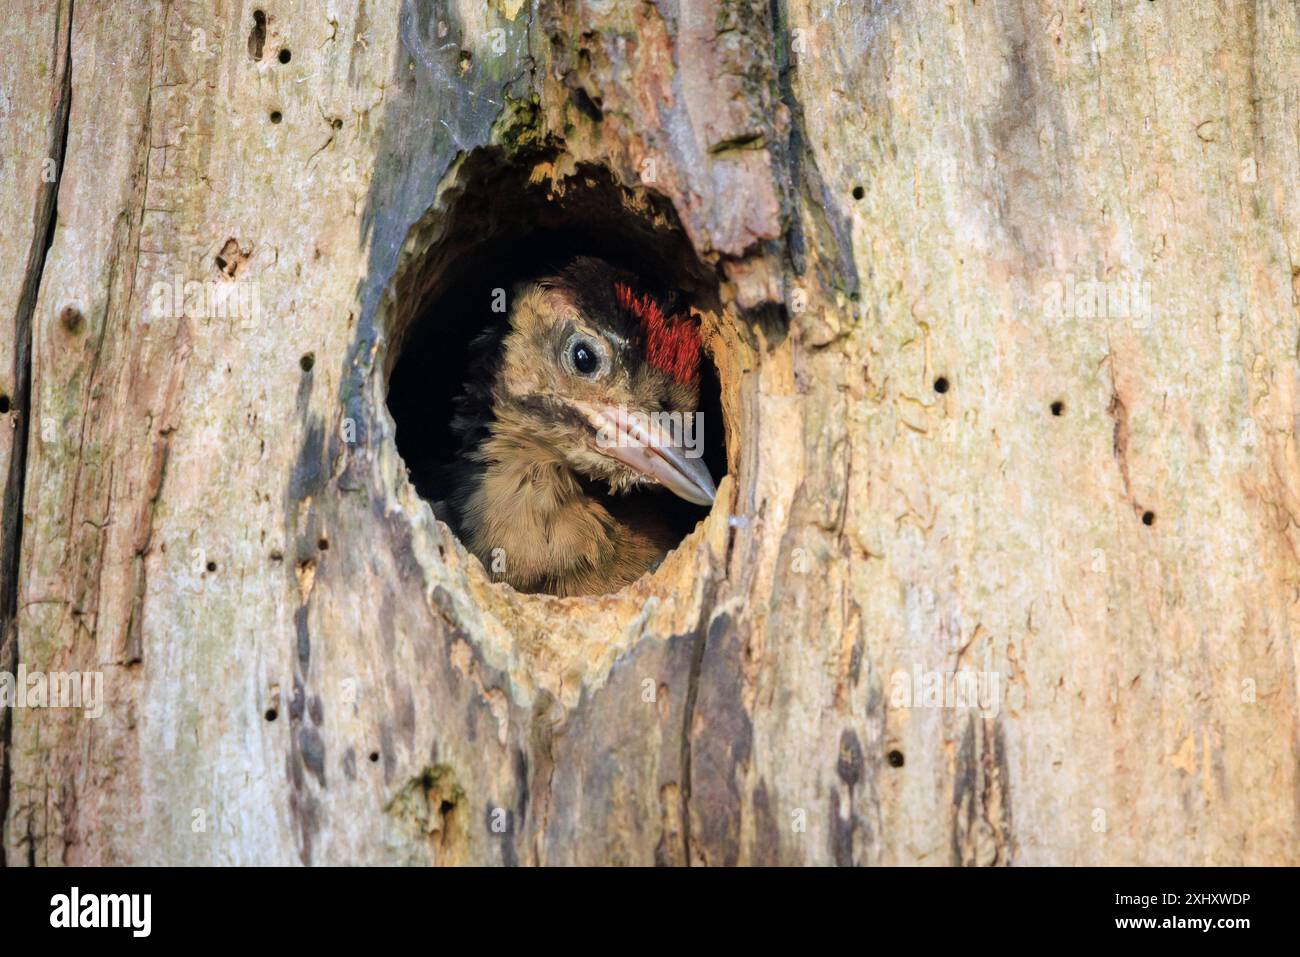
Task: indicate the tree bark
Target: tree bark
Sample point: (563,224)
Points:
(1006,331)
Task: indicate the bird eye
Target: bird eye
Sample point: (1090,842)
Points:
(586,360)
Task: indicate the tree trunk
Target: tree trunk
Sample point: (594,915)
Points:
(1002,299)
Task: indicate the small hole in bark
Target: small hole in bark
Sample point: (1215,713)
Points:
(271,714)
(323,544)
(1058,407)
(896,759)
(941,385)
(1148,518)
(586,105)
(70,318)
(257,36)
(276,116)
(285,56)
(5,405)
(336,123)
(500,235)
(374,756)
(859,192)
(307,361)
(212,566)
(232,258)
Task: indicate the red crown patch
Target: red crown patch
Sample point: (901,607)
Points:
(672,344)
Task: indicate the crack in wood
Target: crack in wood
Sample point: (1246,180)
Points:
(11,514)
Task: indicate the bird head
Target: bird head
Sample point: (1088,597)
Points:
(599,373)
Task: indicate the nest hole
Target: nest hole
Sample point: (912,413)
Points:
(501,226)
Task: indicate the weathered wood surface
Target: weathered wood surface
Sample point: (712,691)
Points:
(227,535)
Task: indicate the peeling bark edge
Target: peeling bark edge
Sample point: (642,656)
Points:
(44,218)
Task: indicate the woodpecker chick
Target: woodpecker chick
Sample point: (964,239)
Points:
(554,436)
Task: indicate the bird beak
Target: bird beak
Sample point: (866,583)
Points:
(654,453)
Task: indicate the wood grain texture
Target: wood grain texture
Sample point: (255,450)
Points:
(303,666)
